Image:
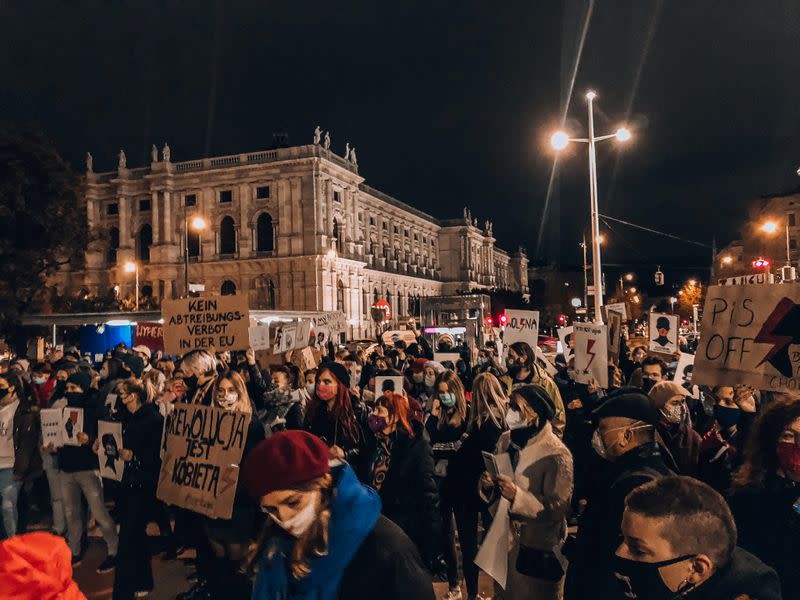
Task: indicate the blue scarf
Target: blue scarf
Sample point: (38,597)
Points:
(355,508)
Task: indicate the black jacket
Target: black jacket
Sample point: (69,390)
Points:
(591,556)
(744,577)
(769,527)
(466,468)
(445,443)
(72,459)
(386,566)
(329,430)
(409,494)
(141,434)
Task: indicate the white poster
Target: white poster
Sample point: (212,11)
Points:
(614,333)
(386,383)
(591,354)
(51,427)
(565,336)
(110,436)
(291,336)
(259,337)
(71,425)
(329,327)
(522,326)
(663,333)
(617,307)
(550,367)
(683,372)
(442,357)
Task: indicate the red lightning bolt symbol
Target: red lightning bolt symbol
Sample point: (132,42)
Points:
(766,335)
(589,345)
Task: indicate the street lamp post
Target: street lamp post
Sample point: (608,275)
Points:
(198,224)
(559,141)
(132,267)
(770,227)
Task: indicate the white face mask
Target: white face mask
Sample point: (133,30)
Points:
(514,419)
(599,446)
(310,388)
(229,401)
(430,380)
(672,414)
(299,523)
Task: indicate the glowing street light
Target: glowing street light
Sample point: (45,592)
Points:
(576,302)
(601,238)
(559,141)
(727,260)
(132,267)
(769,227)
(628,276)
(198,224)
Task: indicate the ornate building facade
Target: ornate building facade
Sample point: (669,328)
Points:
(294,228)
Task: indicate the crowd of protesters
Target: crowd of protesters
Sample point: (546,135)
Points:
(650,488)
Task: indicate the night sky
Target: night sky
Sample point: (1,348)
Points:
(448,103)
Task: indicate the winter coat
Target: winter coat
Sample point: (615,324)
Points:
(386,566)
(329,430)
(27,460)
(769,527)
(465,469)
(409,493)
(591,556)
(445,443)
(745,576)
(540,377)
(141,434)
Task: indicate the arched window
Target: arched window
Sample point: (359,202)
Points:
(113,245)
(264,233)
(227,236)
(228,288)
(143,242)
(340,296)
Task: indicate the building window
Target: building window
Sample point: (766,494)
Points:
(340,297)
(262,192)
(227,236)
(416,237)
(372,220)
(396,230)
(112,209)
(793,244)
(405,233)
(360,217)
(335,235)
(190,200)
(143,242)
(193,243)
(385,228)
(264,234)
(144,205)
(337,196)
(226,197)
(791,220)
(374,295)
(113,244)
(228,288)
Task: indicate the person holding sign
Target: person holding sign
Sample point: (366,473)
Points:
(19,438)
(141,441)
(538,496)
(324,536)
(80,475)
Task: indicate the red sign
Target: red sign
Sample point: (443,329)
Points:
(150,335)
(761,263)
(385,307)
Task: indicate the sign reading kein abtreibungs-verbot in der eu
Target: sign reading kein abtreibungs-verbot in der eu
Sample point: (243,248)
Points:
(218,323)
(750,334)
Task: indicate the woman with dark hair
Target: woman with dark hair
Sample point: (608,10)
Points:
(523,370)
(398,464)
(333,416)
(766,492)
(283,403)
(446,427)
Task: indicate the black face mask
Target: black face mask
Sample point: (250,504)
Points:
(3,393)
(73,397)
(642,580)
(191,382)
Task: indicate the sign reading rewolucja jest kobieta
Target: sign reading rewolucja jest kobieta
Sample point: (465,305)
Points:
(220,323)
(750,334)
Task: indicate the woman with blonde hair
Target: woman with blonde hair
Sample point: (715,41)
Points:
(230,393)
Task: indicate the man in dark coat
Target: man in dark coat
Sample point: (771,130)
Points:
(625,438)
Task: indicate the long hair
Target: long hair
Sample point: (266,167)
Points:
(397,407)
(454,386)
(313,544)
(524,351)
(760,456)
(153,382)
(341,411)
(488,401)
(243,405)
(21,388)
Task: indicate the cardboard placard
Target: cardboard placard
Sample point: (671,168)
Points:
(614,334)
(150,335)
(617,307)
(566,337)
(220,323)
(204,446)
(442,357)
(522,326)
(663,333)
(389,382)
(291,336)
(259,337)
(390,337)
(328,327)
(591,353)
(110,435)
(750,334)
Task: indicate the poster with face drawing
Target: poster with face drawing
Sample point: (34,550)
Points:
(565,336)
(110,436)
(392,383)
(663,333)
(71,425)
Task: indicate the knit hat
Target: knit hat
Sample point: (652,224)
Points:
(37,566)
(538,399)
(664,390)
(283,461)
(339,371)
(134,363)
(436,366)
(81,379)
(142,349)
(418,366)
(628,402)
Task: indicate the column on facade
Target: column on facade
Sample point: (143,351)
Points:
(155,213)
(244,235)
(124,222)
(320,205)
(168,225)
(329,208)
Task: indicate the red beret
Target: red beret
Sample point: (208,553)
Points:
(283,461)
(418,366)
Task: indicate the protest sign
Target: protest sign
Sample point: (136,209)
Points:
(663,333)
(291,336)
(750,334)
(110,435)
(684,370)
(617,307)
(566,337)
(51,427)
(390,337)
(150,335)
(110,403)
(545,362)
(614,333)
(591,354)
(71,425)
(329,327)
(259,337)
(393,383)
(522,326)
(220,323)
(200,468)
(441,357)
